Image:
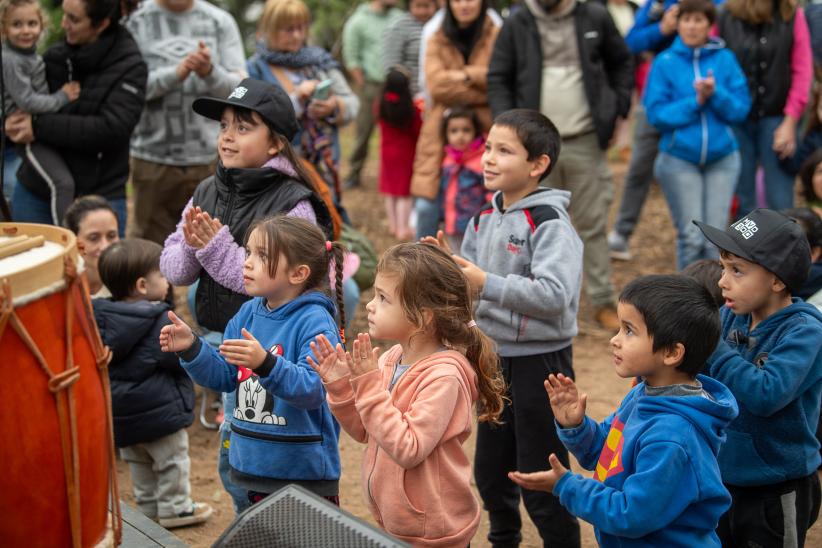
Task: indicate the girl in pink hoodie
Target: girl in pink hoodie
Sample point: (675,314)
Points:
(412,406)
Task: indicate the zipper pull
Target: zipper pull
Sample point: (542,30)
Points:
(70,69)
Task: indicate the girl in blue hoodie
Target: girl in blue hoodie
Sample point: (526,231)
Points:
(282,429)
(696,91)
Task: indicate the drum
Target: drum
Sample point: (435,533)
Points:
(57,477)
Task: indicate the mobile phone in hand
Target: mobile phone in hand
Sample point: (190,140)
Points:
(323,90)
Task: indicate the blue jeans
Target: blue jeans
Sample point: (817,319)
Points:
(27,207)
(10,165)
(755,140)
(697,193)
(428,217)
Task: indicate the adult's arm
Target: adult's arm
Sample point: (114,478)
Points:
(349,103)
(801,68)
(451,86)
(502,72)
(619,65)
(109,127)
(731,100)
(646,34)
(352,43)
(229,69)
(664,111)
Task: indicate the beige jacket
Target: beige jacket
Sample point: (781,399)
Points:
(450,82)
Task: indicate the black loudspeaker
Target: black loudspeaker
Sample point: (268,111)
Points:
(293,517)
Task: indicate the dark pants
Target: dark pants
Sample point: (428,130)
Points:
(771,515)
(365,126)
(523,442)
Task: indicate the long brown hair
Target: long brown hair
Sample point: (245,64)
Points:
(303,243)
(757,12)
(430,280)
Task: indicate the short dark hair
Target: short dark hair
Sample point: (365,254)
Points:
(705,7)
(707,272)
(677,309)
(126,261)
(535,131)
(806,175)
(809,221)
(81,207)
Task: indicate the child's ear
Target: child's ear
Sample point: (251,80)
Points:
(141,286)
(276,145)
(778,286)
(299,274)
(540,165)
(673,355)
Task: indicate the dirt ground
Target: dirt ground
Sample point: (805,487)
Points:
(653,249)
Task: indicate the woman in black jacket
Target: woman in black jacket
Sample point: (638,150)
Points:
(93,132)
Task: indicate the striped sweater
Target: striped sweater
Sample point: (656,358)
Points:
(401,46)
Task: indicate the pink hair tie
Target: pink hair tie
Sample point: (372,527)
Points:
(327,245)
(470,324)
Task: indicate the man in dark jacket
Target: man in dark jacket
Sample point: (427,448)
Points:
(567,59)
(152,397)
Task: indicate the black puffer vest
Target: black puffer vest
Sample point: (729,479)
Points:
(764,53)
(238,197)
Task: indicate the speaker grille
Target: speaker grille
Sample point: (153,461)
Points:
(296,518)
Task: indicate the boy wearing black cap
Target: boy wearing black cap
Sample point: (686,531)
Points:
(770,356)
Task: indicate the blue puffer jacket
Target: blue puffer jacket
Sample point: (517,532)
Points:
(696,133)
(151,395)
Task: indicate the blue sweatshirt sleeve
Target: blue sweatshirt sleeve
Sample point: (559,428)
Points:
(646,35)
(209,369)
(789,368)
(731,100)
(586,440)
(665,112)
(664,481)
(297,383)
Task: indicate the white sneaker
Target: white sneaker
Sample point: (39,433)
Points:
(199,513)
(618,246)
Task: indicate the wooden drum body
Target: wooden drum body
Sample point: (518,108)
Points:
(57,475)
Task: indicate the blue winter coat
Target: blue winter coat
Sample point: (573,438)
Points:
(657,482)
(281,428)
(696,133)
(775,373)
(151,395)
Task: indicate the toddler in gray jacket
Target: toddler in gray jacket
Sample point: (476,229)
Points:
(25,89)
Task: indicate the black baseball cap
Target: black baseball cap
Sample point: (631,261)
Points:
(269,101)
(769,239)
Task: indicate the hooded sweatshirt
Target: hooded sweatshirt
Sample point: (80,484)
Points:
(696,133)
(532,257)
(656,479)
(281,430)
(415,474)
(775,373)
(151,395)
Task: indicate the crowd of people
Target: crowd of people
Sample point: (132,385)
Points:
(493,163)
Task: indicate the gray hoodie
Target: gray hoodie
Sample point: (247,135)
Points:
(533,259)
(24,77)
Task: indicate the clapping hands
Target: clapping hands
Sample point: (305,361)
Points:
(333,363)
(567,403)
(199,228)
(540,481)
(705,87)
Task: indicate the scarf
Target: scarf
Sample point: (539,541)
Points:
(307,56)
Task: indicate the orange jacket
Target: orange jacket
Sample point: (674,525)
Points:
(415,474)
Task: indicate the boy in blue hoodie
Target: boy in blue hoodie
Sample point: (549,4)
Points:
(152,398)
(656,479)
(695,93)
(770,356)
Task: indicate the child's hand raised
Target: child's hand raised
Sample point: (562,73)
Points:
(245,352)
(363,358)
(439,241)
(332,363)
(566,402)
(176,337)
(540,481)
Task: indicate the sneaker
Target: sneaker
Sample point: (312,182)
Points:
(618,246)
(199,513)
(351,182)
(607,318)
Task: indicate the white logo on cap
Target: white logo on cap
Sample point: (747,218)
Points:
(238,93)
(747,228)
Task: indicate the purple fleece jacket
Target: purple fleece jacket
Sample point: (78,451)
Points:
(222,257)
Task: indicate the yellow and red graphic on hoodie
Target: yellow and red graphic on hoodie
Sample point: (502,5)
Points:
(610,459)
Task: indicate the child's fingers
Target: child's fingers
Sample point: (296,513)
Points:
(583,400)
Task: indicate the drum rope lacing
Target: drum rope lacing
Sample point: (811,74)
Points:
(60,384)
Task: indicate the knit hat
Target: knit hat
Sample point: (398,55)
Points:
(269,101)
